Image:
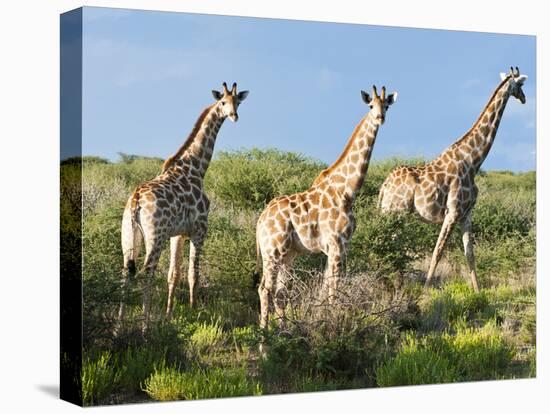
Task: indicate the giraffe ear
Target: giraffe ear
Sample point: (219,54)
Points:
(242,95)
(503,75)
(366,97)
(521,79)
(392,98)
(217,95)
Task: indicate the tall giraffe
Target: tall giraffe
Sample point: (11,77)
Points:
(174,206)
(443,191)
(319,219)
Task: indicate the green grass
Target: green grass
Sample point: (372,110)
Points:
(469,354)
(99,378)
(169,383)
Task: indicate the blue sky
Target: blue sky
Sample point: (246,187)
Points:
(148,75)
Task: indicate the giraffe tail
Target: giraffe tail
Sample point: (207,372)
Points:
(131,235)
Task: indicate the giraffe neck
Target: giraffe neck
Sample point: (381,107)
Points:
(347,174)
(474,146)
(196,153)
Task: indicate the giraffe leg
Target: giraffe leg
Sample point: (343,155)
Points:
(174,274)
(446,229)
(334,270)
(265,290)
(468,241)
(152,257)
(280,297)
(195,247)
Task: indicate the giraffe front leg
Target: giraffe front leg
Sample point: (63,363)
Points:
(281,292)
(468,241)
(446,229)
(265,291)
(174,274)
(195,247)
(334,270)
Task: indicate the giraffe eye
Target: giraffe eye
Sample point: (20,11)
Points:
(223,102)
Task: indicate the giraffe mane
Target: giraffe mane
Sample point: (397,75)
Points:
(326,172)
(170,160)
(497,89)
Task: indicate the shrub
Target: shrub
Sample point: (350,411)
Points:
(207,338)
(99,378)
(136,364)
(339,341)
(469,355)
(415,367)
(479,353)
(251,178)
(388,243)
(440,308)
(168,383)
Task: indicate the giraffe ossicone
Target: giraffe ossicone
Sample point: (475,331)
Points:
(174,206)
(443,191)
(320,219)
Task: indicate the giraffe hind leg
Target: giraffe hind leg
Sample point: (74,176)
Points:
(174,273)
(468,240)
(444,234)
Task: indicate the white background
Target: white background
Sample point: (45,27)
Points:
(29,224)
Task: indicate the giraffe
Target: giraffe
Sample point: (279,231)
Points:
(319,219)
(443,191)
(174,206)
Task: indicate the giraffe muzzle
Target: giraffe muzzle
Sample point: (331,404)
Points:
(234,117)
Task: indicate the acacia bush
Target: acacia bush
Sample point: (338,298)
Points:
(339,341)
(251,178)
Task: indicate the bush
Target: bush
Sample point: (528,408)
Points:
(249,179)
(416,367)
(136,364)
(207,338)
(479,353)
(168,383)
(342,341)
(99,378)
(472,354)
(388,243)
(440,308)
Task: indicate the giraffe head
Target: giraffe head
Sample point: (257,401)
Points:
(515,83)
(379,104)
(229,100)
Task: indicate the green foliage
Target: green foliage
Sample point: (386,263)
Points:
(251,178)
(207,338)
(414,366)
(136,364)
(168,383)
(381,244)
(99,378)
(454,302)
(469,355)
